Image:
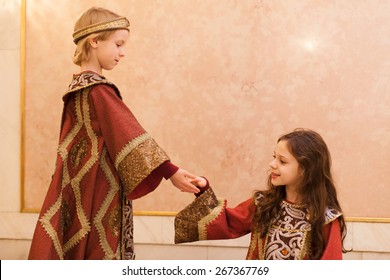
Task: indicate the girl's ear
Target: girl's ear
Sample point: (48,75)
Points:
(93,42)
(301,171)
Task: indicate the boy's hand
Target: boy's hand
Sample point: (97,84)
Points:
(182,180)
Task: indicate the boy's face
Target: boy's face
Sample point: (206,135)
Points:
(111,50)
(285,169)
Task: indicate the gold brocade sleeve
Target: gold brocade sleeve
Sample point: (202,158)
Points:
(138,161)
(188,225)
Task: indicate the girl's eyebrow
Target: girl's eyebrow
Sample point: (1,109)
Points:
(281,156)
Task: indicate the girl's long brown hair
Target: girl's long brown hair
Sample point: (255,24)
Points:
(318,188)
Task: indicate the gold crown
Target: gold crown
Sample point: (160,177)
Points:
(118,23)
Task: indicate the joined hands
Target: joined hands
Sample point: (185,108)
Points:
(187,182)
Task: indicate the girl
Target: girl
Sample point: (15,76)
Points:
(297,217)
(105,158)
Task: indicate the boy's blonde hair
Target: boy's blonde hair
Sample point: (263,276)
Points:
(97,23)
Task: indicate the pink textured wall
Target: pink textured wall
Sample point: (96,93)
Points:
(216,83)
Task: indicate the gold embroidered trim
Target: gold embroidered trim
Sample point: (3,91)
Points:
(306,247)
(129,147)
(255,240)
(202,224)
(62,151)
(98,219)
(187,220)
(88,85)
(298,206)
(47,226)
(139,163)
(118,23)
(75,182)
(85,80)
(261,246)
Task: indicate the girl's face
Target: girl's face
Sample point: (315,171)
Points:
(111,50)
(285,170)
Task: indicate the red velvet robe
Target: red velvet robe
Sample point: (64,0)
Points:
(105,159)
(209,218)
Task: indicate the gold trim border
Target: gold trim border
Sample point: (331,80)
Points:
(367,220)
(173,214)
(155,213)
(23,18)
(22,62)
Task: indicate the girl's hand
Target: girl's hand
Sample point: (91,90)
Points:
(199,181)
